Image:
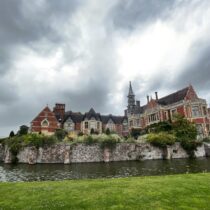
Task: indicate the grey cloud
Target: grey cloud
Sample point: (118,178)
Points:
(127,14)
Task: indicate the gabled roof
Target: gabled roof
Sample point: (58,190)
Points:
(174,97)
(77,117)
(115,119)
(91,114)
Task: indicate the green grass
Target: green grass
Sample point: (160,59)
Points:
(188,191)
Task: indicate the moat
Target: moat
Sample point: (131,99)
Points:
(38,172)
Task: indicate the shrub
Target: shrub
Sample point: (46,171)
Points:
(80,133)
(108,131)
(12,134)
(164,126)
(161,139)
(60,134)
(207,139)
(109,141)
(135,132)
(183,129)
(23,130)
(90,140)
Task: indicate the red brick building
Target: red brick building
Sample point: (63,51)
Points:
(45,122)
(185,102)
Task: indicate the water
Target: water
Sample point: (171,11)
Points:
(38,172)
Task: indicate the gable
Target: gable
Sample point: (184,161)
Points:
(191,94)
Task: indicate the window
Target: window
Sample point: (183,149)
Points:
(125,125)
(138,122)
(195,111)
(45,123)
(173,112)
(131,123)
(86,125)
(98,125)
(204,110)
(69,125)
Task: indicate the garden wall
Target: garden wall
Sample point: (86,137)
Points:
(63,153)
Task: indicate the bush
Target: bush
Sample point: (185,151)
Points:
(60,134)
(161,139)
(89,140)
(135,132)
(109,141)
(190,147)
(108,131)
(164,126)
(12,134)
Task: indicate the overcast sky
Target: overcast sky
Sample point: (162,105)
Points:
(84,53)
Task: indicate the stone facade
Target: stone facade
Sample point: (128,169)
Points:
(80,153)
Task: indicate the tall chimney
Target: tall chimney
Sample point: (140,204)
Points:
(156,95)
(147,99)
(125,112)
(138,103)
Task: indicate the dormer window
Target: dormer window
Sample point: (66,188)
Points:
(45,123)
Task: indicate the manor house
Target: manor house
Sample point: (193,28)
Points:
(185,102)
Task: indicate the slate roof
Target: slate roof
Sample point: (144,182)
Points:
(77,117)
(174,97)
(91,114)
(115,119)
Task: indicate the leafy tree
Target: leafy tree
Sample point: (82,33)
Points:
(108,132)
(164,126)
(92,131)
(184,129)
(12,134)
(60,134)
(23,130)
(135,132)
(186,132)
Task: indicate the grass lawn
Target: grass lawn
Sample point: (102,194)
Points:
(188,191)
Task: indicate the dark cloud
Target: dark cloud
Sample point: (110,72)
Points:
(127,14)
(87,42)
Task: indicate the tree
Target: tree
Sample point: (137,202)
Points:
(12,134)
(23,130)
(184,129)
(108,131)
(60,134)
(92,131)
(185,132)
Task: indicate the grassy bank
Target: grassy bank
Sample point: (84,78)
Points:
(188,191)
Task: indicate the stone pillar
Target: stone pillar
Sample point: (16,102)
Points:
(106,155)
(67,152)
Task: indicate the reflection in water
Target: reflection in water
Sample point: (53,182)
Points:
(25,172)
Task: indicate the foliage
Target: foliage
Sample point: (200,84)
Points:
(92,131)
(164,126)
(184,191)
(135,132)
(89,140)
(109,141)
(12,134)
(207,139)
(60,134)
(183,129)
(186,133)
(161,139)
(16,143)
(23,130)
(80,133)
(108,131)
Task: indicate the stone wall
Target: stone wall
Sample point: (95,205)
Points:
(62,153)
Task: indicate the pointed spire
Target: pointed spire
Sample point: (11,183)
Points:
(130,92)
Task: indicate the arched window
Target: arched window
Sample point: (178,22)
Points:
(45,123)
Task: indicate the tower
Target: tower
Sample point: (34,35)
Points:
(131,100)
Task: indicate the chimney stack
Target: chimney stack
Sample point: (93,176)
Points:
(138,103)
(156,95)
(147,99)
(125,112)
